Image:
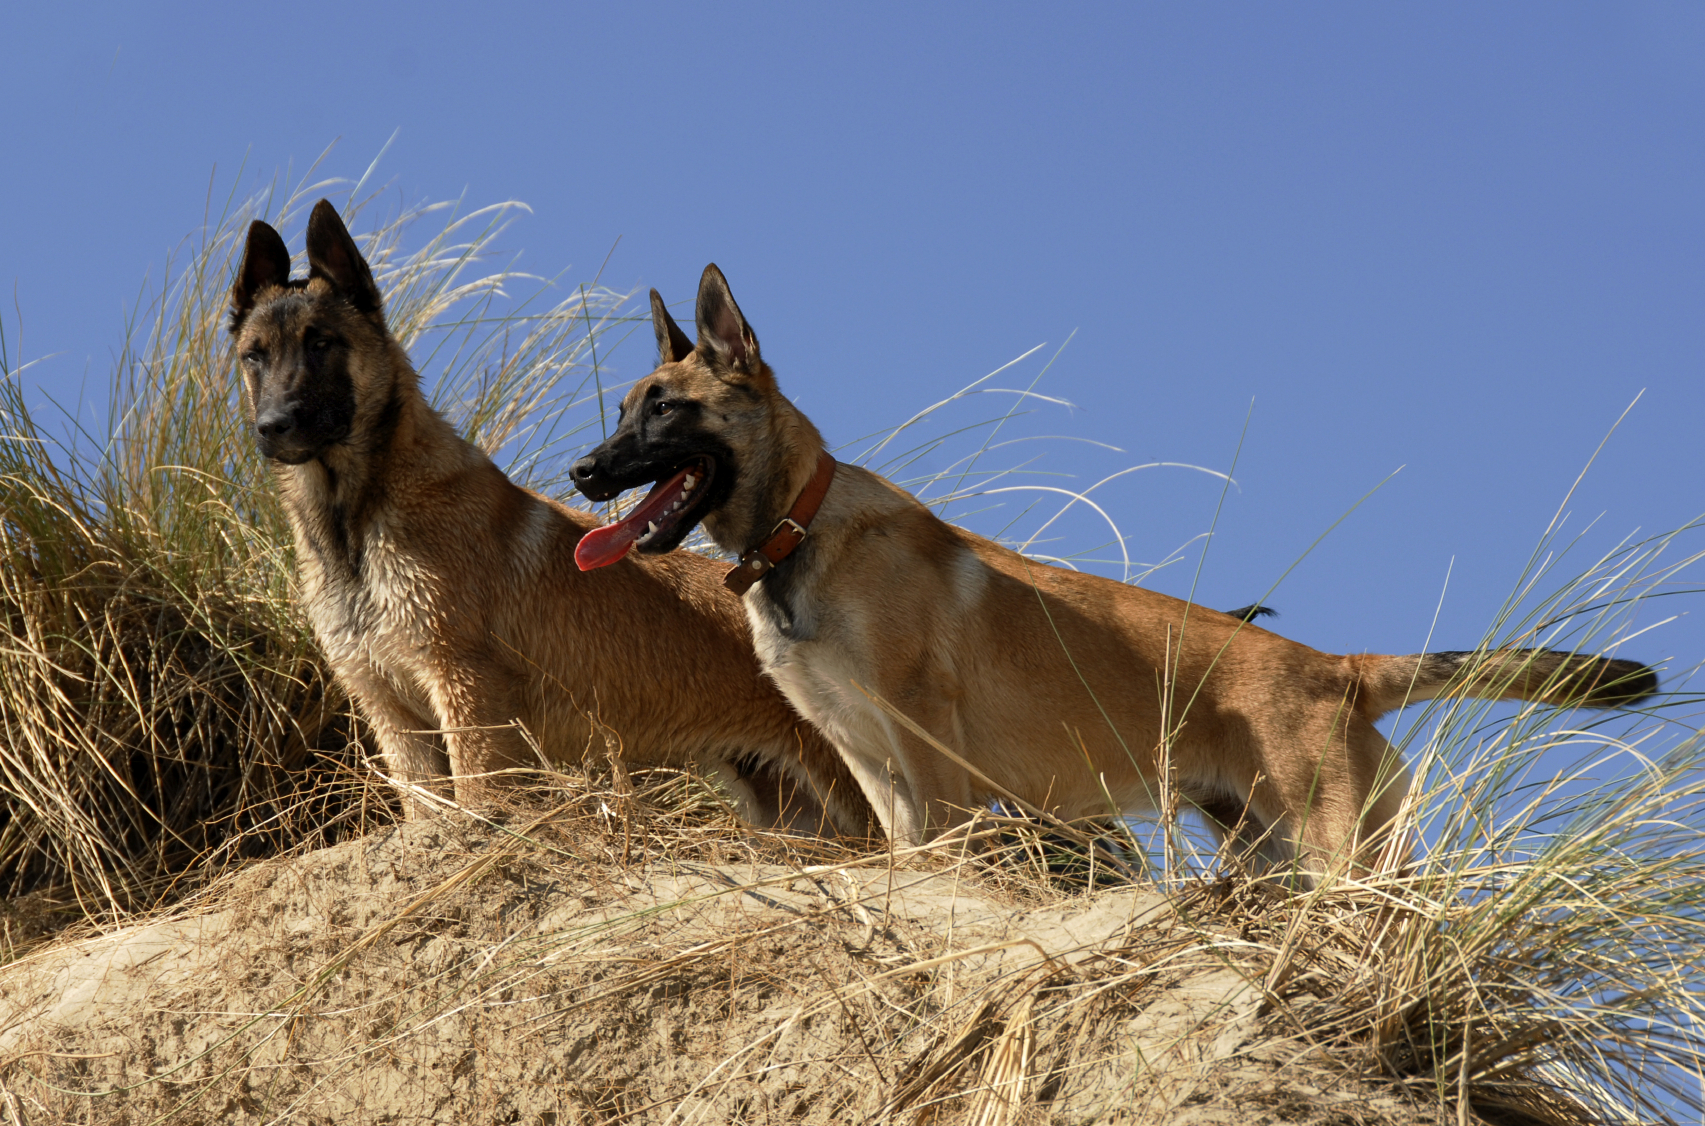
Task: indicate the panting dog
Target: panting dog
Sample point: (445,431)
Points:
(949,670)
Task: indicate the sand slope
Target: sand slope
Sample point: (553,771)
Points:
(441,973)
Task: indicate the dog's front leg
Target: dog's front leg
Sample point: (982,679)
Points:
(749,805)
(767,794)
(413,753)
(476,702)
(885,787)
(941,788)
(916,790)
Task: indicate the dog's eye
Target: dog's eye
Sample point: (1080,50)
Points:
(254,356)
(320,343)
(664,406)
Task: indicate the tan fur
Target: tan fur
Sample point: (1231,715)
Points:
(1076,693)
(448,603)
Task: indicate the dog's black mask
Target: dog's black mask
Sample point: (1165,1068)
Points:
(663,440)
(303,395)
(296,346)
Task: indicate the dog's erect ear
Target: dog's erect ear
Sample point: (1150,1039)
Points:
(266,261)
(672,344)
(725,339)
(332,255)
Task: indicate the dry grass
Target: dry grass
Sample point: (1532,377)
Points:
(630,954)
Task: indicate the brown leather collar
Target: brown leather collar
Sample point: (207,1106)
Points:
(787,535)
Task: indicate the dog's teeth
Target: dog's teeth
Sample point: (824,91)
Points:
(687,485)
(651,528)
(674,506)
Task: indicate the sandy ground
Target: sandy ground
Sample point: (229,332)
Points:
(441,973)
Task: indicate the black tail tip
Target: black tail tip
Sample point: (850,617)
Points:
(1615,683)
(1251,612)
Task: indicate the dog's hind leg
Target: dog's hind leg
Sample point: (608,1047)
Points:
(1241,831)
(1338,792)
(1384,782)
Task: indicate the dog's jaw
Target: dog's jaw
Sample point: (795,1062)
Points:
(658,523)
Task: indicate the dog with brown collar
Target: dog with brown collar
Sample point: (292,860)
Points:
(948,670)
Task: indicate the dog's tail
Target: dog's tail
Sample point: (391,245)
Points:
(1385,684)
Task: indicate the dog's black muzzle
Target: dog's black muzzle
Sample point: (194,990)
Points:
(627,460)
(593,478)
(296,431)
(620,463)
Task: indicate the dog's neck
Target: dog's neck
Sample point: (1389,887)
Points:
(335,501)
(772,473)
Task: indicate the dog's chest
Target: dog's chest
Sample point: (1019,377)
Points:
(385,616)
(807,655)
(781,620)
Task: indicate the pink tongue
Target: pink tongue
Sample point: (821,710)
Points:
(603,546)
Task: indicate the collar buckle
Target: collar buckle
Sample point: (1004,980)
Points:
(788,533)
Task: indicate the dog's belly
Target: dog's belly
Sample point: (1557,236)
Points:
(1073,749)
(1023,717)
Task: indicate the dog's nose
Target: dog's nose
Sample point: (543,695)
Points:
(584,470)
(276,423)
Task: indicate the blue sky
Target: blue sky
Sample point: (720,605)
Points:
(1455,240)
